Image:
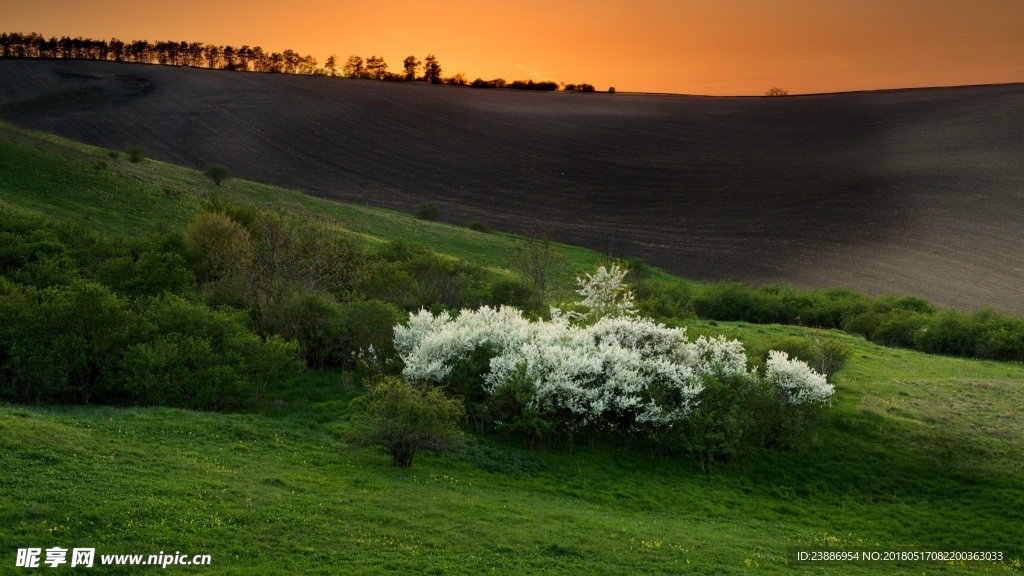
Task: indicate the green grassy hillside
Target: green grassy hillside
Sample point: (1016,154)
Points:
(916,451)
(105,191)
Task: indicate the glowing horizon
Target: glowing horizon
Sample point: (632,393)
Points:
(740,47)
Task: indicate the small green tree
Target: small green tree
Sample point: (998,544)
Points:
(403,418)
(217,173)
(537,258)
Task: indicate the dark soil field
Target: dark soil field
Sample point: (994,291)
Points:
(914,191)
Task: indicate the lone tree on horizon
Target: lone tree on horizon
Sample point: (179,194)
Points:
(776,91)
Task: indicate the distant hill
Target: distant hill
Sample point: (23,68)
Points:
(912,191)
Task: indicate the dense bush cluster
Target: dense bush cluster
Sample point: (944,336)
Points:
(619,375)
(204,318)
(904,321)
(82,342)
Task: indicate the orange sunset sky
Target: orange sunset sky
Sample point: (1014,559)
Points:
(715,47)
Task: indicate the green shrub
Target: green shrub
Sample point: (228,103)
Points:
(731,301)
(948,332)
(724,423)
(428,211)
(911,303)
(366,334)
(244,214)
(312,321)
(153,274)
(402,251)
(516,293)
(863,323)
(223,245)
(182,371)
(449,282)
(217,173)
(899,327)
(64,340)
(511,411)
(390,282)
(134,153)
(48,271)
(465,380)
(666,304)
(478,226)
(403,419)
(825,354)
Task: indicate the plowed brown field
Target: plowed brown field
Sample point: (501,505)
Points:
(914,191)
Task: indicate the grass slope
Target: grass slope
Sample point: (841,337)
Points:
(917,450)
(85,184)
(928,456)
(915,191)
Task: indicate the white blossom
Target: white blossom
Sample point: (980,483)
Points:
(606,293)
(621,370)
(797,380)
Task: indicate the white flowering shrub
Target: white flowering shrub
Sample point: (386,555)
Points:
(606,293)
(622,373)
(798,383)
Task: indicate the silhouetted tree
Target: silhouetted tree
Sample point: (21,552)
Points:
(212,55)
(776,91)
(354,67)
(431,70)
(244,56)
(457,80)
(410,64)
(275,62)
(228,57)
(376,67)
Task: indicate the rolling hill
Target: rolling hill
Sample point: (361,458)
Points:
(917,452)
(914,191)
